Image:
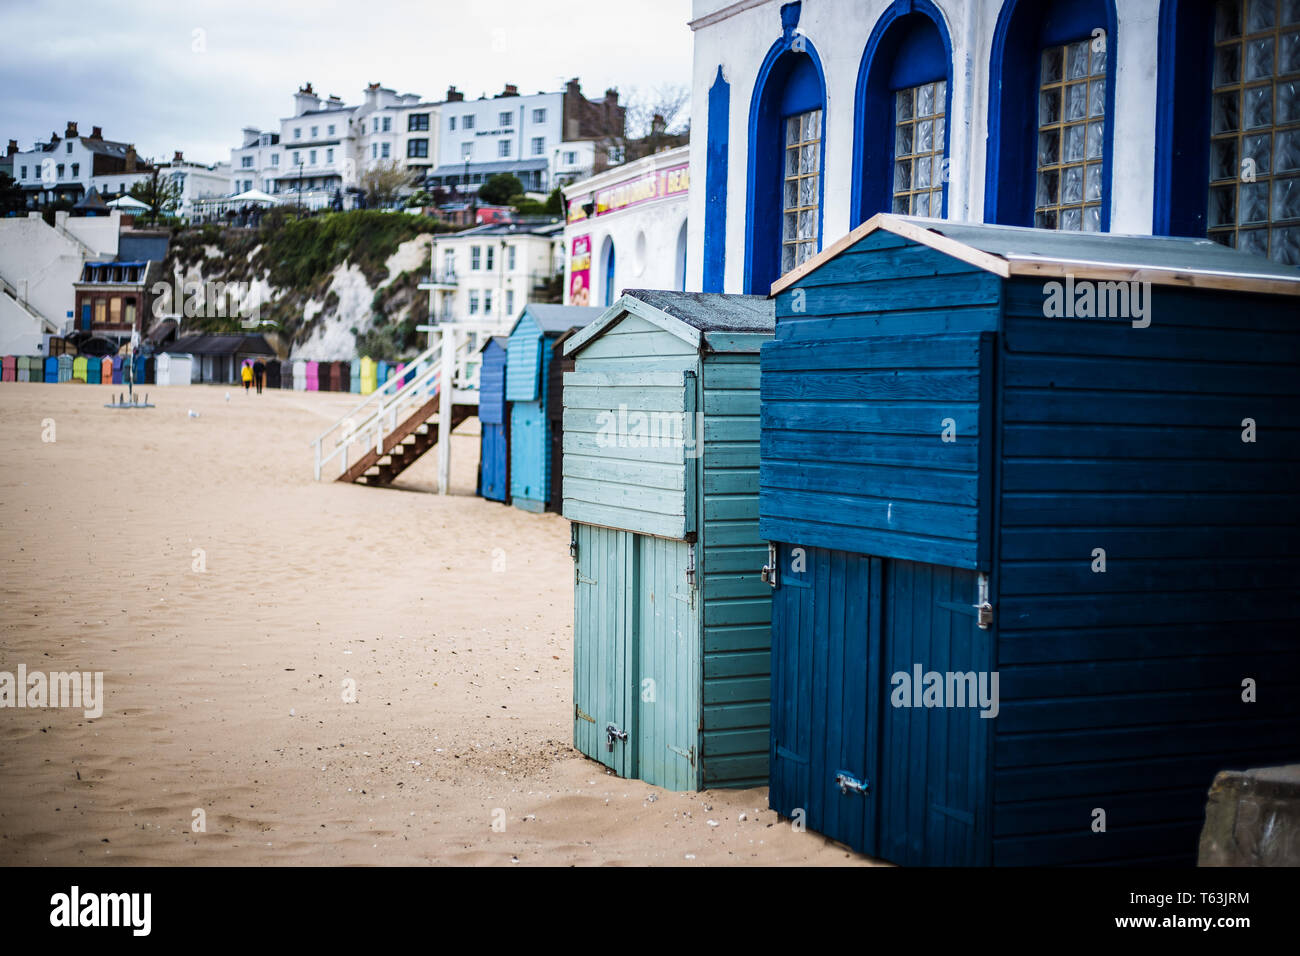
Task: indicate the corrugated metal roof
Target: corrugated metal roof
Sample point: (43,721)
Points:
(712,311)
(1017,250)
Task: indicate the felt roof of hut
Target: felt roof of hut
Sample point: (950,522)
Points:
(553,319)
(201,343)
(1020,251)
(714,320)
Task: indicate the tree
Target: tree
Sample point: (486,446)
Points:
(159,192)
(500,189)
(384,180)
(11,196)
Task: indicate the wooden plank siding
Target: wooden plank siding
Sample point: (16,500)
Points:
(737,604)
(888,285)
(524,361)
(1122,690)
(614,479)
(854,455)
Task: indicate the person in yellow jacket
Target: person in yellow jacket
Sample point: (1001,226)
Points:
(246,375)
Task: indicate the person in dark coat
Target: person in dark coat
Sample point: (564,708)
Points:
(259,374)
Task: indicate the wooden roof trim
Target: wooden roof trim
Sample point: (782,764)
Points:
(1118,272)
(908,230)
(630,304)
(1019,265)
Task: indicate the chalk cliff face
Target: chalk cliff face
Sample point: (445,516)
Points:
(323,290)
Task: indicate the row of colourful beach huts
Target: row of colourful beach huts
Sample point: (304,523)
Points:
(167,368)
(944,568)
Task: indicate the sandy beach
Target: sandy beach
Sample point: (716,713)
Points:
(228,600)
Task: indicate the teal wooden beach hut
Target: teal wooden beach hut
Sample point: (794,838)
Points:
(528,360)
(660,471)
(494,422)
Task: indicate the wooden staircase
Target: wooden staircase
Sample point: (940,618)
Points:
(404,446)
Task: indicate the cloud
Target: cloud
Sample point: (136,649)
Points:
(138,68)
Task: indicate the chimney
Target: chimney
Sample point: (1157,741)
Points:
(510,90)
(96,132)
(13,147)
(454,95)
(305,100)
(658,125)
(179,157)
(573,87)
(130,158)
(611,97)
(335,101)
(72,130)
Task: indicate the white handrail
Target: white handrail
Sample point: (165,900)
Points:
(382,388)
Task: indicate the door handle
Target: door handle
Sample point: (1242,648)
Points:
(612,733)
(851,784)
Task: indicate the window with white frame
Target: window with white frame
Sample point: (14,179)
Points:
(473,302)
(297,132)
(491,254)
(510,258)
(329,155)
(385,150)
(388,124)
(919,130)
(311,156)
(451,123)
(539,116)
(1071,136)
(802,199)
(275,159)
(506,119)
(466,150)
(503,147)
(474,258)
(487,301)
(244,161)
(510,302)
(314,131)
(468,121)
(539,145)
(1255,129)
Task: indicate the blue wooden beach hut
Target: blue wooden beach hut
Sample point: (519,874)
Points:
(1031,502)
(527,368)
(671,621)
(52,369)
(494,421)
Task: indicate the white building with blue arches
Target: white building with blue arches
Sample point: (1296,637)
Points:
(1166,117)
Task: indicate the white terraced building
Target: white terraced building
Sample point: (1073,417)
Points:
(1152,117)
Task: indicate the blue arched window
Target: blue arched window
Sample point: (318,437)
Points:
(1051,108)
(609,272)
(786,151)
(1228,124)
(904,95)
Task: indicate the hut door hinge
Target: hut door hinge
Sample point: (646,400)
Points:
(768,574)
(689,753)
(690,566)
(580,714)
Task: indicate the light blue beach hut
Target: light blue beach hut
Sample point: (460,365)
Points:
(528,363)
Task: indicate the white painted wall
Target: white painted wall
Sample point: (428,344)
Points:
(645,236)
(839,30)
(42,262)
(535,258)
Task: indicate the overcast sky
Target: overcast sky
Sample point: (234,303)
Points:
(171,74)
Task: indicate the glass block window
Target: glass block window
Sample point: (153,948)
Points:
(802,199)
(1071,133)
(919,130)
(1255,129)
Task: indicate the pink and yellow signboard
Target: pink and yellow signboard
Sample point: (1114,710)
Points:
(659,184)
(580,271)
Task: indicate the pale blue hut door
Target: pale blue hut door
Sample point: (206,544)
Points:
(667,657)
(603,617)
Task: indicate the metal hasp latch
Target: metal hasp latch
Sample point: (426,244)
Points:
(984,610)
(851,784)
(612,733)
(573,540)
(690,566)
(768,575)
